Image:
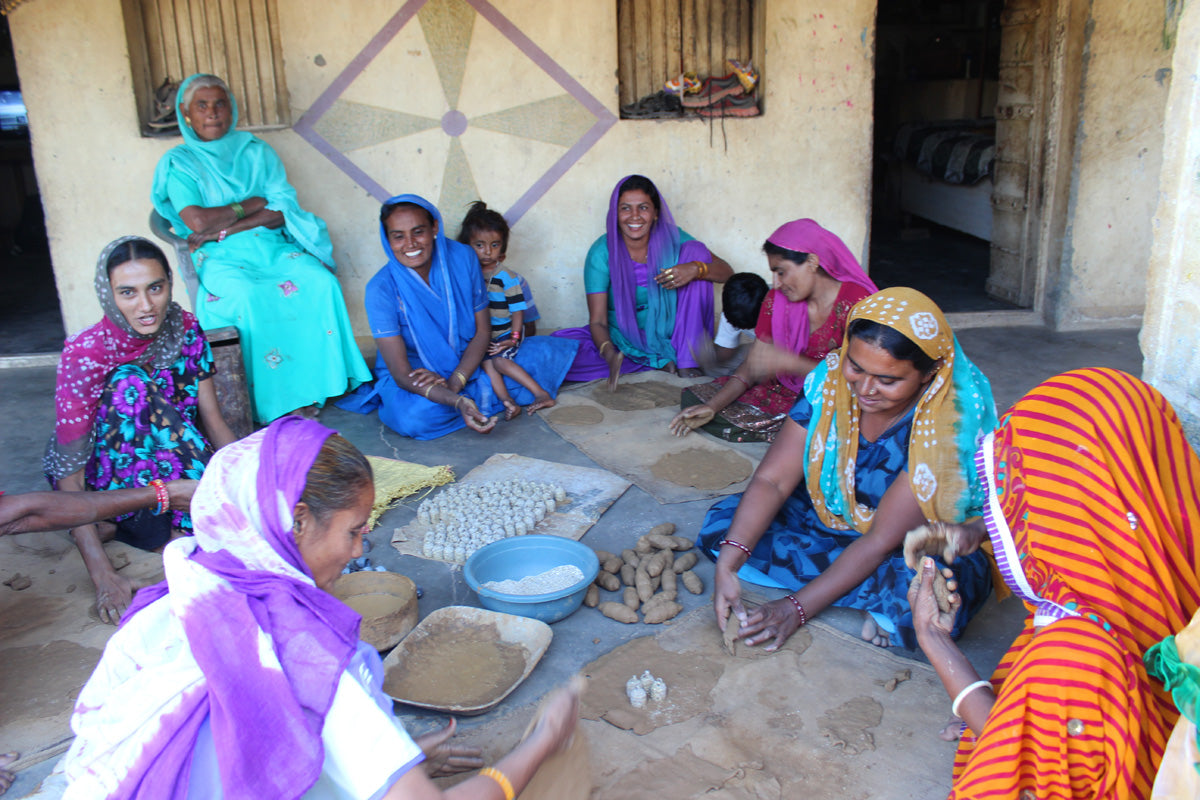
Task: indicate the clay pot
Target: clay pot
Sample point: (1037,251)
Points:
(386,601)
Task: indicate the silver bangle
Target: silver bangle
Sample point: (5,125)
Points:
(961,695)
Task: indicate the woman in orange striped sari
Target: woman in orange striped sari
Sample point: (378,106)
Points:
(1093,500)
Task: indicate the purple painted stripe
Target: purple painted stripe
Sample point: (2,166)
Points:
(359,63)
(542,59)
(559,168)
(342,162)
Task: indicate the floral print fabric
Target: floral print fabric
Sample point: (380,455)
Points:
(146,424)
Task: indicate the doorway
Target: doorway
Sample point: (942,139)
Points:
(935,224)
(30,313)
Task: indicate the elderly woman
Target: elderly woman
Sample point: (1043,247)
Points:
(135,406)
(1092,507)
(817,281)
(265,264)
(428,311)
(240,675)
(649,291)
(880,442)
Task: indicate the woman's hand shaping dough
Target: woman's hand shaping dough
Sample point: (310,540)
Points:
(443,758)
(691,418)
(942,540)
(933,600)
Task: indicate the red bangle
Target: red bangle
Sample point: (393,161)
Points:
(799,609)
(735,377)
(738,545)
(162,495)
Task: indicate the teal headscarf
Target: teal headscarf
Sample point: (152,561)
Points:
(229,170)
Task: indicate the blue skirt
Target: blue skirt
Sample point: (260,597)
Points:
(545,358)
(797,547)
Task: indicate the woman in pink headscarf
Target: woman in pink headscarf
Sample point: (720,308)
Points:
(817,280)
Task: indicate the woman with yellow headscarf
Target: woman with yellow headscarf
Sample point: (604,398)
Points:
(881,442)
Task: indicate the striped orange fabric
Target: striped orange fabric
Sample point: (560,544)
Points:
(1097,493)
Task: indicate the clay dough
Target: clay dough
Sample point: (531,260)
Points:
(900,677)
(575,415)
(42,681)
(637,396)
(941,592)
(846,726)
(731,628)
(692,679)
(707,470)
(444,669)
(18,582)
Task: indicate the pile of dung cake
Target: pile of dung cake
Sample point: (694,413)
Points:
(647,577)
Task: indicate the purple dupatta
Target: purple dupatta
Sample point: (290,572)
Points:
(242,638)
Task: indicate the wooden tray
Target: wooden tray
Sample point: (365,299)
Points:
(464,660)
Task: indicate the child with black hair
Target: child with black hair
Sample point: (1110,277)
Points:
(741,299)
(486,231)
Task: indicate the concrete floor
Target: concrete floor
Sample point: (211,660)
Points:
(1015,359)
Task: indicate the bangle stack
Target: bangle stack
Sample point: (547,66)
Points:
(162,495)
(799,609)
(962,695)
(238,210)
(738,545)
(462,379)
(702,271)
(502,779)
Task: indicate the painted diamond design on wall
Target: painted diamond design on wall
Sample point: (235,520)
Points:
(379,123)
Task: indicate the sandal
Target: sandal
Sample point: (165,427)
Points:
(660,105)
(747,75)
(712,91)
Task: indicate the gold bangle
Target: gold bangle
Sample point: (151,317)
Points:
(429,389)
(703,271)
(502,779)
(462,379)
(460,397)
(604,344)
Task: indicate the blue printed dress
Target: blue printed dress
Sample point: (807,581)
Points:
(797,546)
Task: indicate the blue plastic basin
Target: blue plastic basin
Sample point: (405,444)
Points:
(521,556)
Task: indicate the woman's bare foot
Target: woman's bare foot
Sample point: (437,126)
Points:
(6,776)
(511,409)
(614,370)
(540,401)
(871,632)
(952,732)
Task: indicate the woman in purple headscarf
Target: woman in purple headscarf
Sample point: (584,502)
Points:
(817,280)
(649,292)
(241,676)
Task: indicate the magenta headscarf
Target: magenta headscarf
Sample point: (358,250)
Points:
(789,321)
(257,652)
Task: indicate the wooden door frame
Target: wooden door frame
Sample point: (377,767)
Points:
(1058,78)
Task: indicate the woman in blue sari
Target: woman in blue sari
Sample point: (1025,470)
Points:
(428,311)
(881,442)
(265,264)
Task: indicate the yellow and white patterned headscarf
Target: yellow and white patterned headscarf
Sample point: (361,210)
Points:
(953,413)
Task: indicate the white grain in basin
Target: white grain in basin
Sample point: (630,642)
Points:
(551,580)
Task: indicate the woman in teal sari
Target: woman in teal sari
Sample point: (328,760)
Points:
(265,264)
